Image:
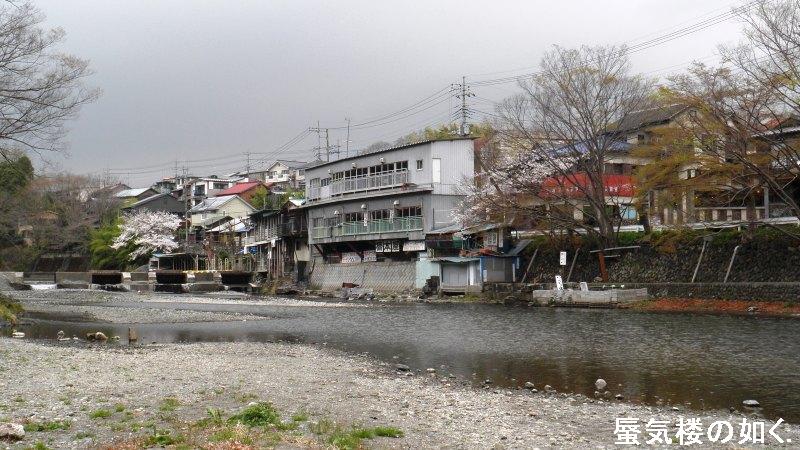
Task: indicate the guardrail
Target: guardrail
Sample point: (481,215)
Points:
(397,224)
(379,181)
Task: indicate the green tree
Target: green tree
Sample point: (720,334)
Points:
(103,255)
(16,172)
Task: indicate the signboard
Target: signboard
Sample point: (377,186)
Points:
(370,256)
(584,286)
(350,258)
(562,258)
(414,246)
(388,246)
(559,283)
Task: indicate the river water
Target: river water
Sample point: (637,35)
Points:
(698,361)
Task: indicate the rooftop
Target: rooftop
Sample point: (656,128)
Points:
(131,192)
(212,203)
(240,188)
(315,164)
(147,200)
(651,116)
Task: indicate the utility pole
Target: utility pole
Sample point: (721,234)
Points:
(247,166)
(318,148)
(462,93)
(347,141)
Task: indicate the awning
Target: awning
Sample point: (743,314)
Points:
(456,259)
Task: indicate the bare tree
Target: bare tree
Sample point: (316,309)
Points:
(40,87)
(732,128)
(565,124)
(761,91)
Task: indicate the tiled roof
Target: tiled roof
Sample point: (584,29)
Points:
(212,203)
(132,192)
(647,117)
(240,188)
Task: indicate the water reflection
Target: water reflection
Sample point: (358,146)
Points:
(706,361)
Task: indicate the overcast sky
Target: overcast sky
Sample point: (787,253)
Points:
(190,80)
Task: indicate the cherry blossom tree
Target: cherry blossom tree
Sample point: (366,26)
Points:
(150,231)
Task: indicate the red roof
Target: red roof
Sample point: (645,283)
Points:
(575,185)
(240,188)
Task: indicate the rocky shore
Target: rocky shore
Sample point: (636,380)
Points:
(77,394)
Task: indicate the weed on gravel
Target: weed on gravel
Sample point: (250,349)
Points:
(50,425)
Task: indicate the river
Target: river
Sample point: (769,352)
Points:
(690,360)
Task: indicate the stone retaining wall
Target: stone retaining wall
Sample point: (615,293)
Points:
(380,276)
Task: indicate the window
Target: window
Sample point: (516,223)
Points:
(419,164)
(436,168)
(220,185)
(353,217)
(317,222)
(379,214)
(325,182)
(408,211)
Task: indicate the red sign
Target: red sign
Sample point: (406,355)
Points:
(578,184)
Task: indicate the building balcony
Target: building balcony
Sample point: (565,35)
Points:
(398,224)
(368,183)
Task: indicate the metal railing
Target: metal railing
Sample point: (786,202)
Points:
(727,214)
(370,182)
(398,224)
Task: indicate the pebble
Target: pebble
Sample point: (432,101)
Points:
(402,367)
(751,403)
(11,431)
(529,385)
(600,384)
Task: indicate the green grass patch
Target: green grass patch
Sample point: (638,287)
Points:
(50,425)
(100,414)
(38,446)
(169,404)
(347,439)
(163,438)
(245,398)
(83,435)
(9,310)
(119,407)
(258,415)
(300,416)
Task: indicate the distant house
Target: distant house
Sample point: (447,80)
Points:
(200,188)
(108,191)
(284,174)
(159,202)
(134,195)
(246,190)
(213,209)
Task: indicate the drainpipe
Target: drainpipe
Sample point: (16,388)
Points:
(730,264)
(700,259)
(572,266)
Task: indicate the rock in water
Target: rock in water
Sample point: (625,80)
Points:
(100,336)
(60,335)
(548,388)
(529,385)
(751,403)
(600,384)
(402,368)
(132,335)
(11,431)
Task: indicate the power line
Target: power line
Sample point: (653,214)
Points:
(682,32)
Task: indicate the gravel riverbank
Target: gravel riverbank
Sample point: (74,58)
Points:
(76,394)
